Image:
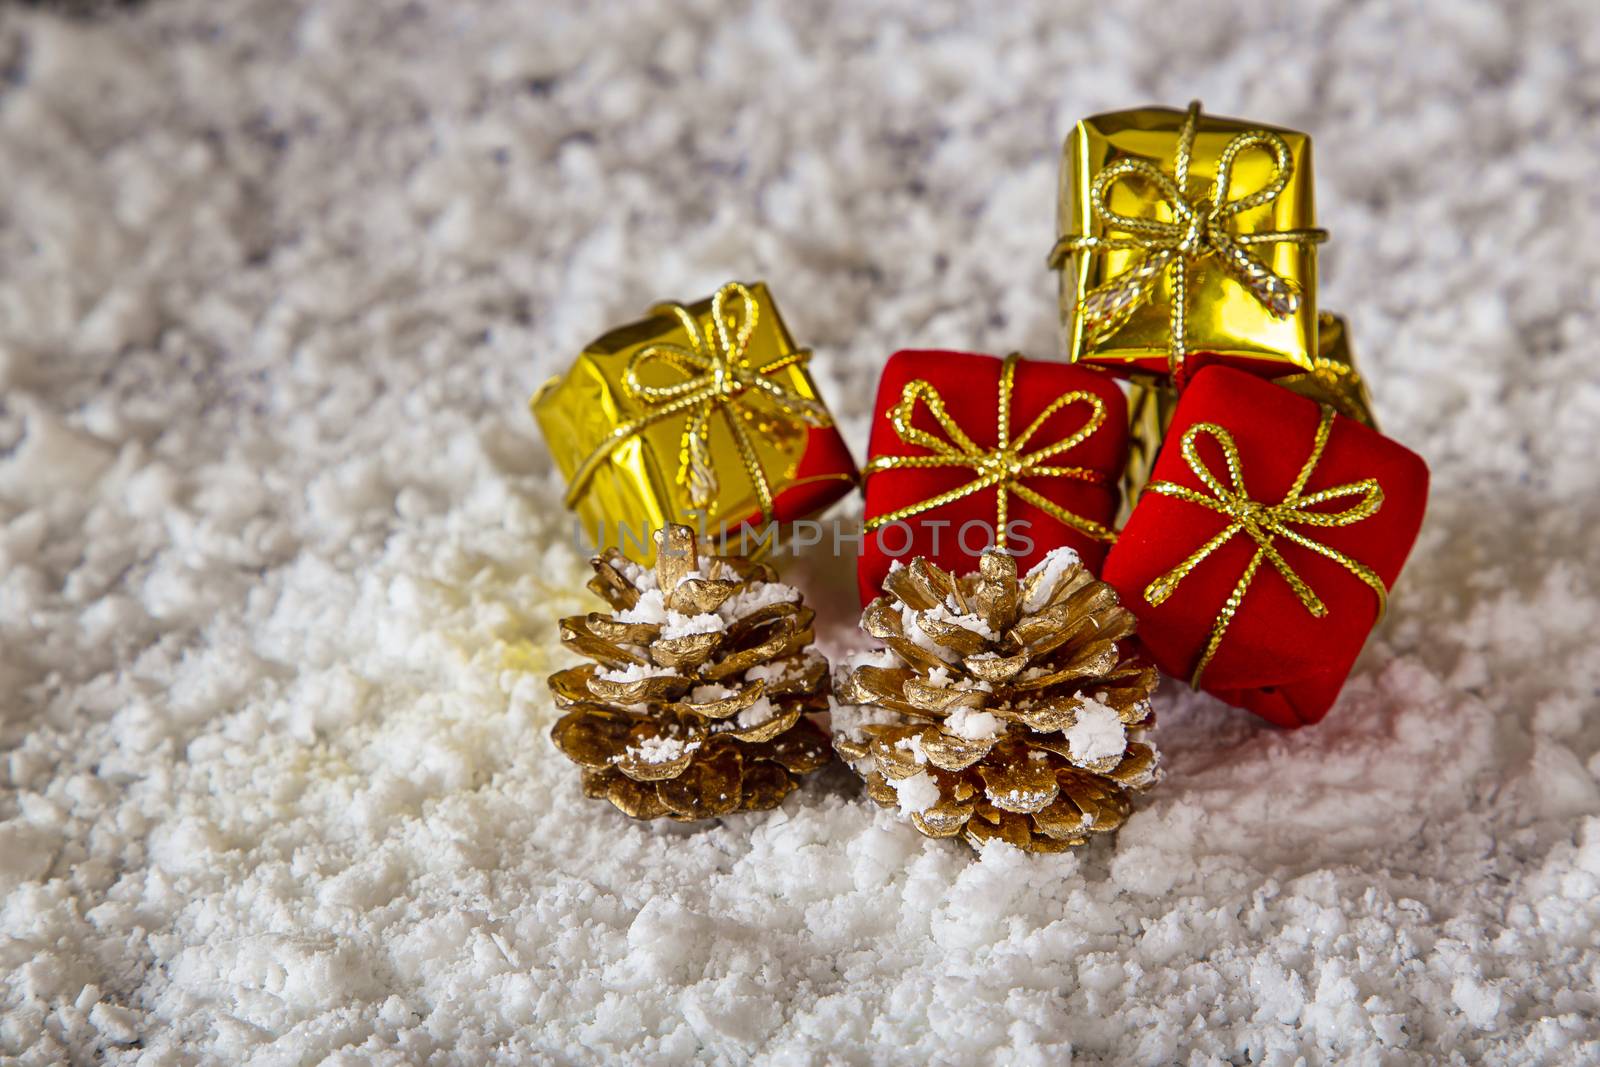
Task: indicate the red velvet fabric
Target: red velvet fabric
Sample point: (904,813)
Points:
(970,387)
(1276,660)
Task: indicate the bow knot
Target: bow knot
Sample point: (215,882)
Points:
(725,383)
(1198,236)
(720,377)
(1247,512)
(1002,467)
(1002,463)
(1265,523)
(1202,227)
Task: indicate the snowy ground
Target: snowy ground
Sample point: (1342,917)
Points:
(281,555)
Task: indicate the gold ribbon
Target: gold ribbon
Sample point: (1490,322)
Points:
(1200,229)
(1263,523)
(1002,467)
(720,378)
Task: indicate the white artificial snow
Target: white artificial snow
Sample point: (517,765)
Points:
(913,745)
(651,608)
(755,597)
(972,724)
(661,749)
(849,720)
(756,714)
(681,625)
(969,621)
(917,793)
(640,577)
(919,637)
(1050,569)
(878,657)
(706,694)
(701,572)
(282,557)
(772,672)
(1097,734)
(781,671)
(950,611)
(911,626)
(634,672)
(1032,798)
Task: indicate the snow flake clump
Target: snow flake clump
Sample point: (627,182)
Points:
(661,749)
(972,724)
(755,597)
(633,672)
(913,745)
(760,712)
(917,793)
(910,625)
(640,577)
(680,625)
(1050,569)
(651,607)
(1097,735)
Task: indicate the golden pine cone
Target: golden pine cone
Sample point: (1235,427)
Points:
(695,704)
(1001,708)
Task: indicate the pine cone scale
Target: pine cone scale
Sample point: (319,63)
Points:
(1022,785)
(765,785)
(707,787)
(687,650)
(590,736)
(632,798)
(766,731)
(951,752)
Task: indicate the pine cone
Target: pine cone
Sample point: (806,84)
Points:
(694,706)
(1001,708)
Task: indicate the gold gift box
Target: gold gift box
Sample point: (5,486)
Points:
(647,403)
(1151,403)
(1232,309)
(1334,380)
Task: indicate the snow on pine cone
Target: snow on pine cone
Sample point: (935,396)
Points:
(1000,708)
(695,704)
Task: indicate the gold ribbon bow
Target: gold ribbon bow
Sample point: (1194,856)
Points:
(1264,523)
(1200,229)
(721,378)
(1002,467)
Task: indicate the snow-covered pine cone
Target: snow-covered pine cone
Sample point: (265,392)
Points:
(1000,708)
(695,704)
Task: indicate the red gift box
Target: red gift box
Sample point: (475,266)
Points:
(943,466)
(1259,556)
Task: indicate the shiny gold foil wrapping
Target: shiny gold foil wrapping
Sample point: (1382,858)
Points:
(1151,402)
(627,458)
(1334,380)
(1223,316)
